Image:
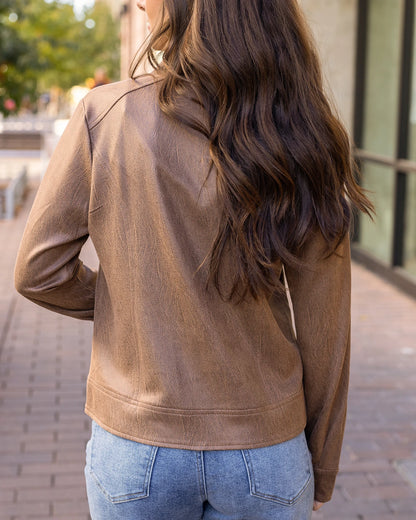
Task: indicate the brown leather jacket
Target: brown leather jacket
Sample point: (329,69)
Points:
(173,365)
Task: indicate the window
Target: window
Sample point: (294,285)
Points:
(385,130)
(382,76)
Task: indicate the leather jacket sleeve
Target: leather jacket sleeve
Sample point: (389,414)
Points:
(321,298)
(48,270)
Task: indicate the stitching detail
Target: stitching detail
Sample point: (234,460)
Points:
(106,111)
(91,211)
(88,129)
(265,496)
(179,411)
(326,470)
(201,474)
(127,497)
(169,444)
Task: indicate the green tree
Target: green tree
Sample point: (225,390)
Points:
(50,47)
(101,44)
(16,58)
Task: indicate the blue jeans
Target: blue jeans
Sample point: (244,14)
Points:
(129,480)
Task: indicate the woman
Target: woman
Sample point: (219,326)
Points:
(207,187)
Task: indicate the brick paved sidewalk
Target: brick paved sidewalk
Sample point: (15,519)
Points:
(43,430)
(380,436)
(44,359)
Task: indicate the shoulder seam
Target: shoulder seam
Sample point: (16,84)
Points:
(88,129)
(99,118)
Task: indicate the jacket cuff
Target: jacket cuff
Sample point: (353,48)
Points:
(324,484)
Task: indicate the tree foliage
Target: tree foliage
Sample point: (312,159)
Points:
(43,44)
(16,57)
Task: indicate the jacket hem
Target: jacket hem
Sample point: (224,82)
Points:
(193,429)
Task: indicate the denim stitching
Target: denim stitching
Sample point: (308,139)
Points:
(128,497)
(201,476)
(149,469)
(265,496)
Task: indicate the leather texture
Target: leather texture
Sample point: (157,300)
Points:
(172,364)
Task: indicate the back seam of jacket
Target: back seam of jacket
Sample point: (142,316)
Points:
(103,114)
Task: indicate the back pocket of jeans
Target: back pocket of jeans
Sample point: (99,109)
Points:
(281,472)
(121,468)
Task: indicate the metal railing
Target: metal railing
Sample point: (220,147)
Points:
(402,165)
(12,191)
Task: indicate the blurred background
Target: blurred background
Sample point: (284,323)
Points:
(51,54)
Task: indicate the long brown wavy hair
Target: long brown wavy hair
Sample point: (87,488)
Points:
(283,159)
